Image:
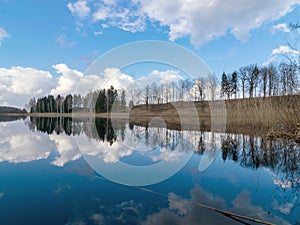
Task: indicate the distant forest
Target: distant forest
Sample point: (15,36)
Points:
(8,109)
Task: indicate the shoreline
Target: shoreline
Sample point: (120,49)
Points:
(275,116)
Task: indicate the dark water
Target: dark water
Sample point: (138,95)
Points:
(59,171)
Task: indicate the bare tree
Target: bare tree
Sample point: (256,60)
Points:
(155,92)
(272,77)
(243,79)
(173,87)
(264,80)
(212,86)
(288,78)
(252,79)
(31,106)
(201,85)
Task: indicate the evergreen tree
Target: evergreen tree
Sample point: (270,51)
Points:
(68,102)
(101,104)
(51,102)
(112,94)
(59,104)
(224,85)
(234,83)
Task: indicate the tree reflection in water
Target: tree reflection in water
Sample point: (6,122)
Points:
(279,156)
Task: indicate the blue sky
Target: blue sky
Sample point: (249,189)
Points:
(48,42)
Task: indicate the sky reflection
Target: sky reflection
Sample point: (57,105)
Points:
(240,179)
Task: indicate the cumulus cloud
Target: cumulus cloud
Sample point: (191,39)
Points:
(3,35)
(198,20)
(79,8)
(74,81)
(283,27)
(19,84)
(113,76)
(68,80)
(194,18)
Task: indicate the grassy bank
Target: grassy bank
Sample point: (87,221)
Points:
(278,114)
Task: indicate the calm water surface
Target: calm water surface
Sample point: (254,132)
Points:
(47,174)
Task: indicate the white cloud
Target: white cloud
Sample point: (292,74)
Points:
(203,21)
(18,84)
(79,8)
(98,33)
(101,14)
(73,81)
(167,75)
(269,61)
(103,25)
(63,42)
(198,20)
(113,76)
(127,19)
(283,27)
(282,50)
(158,76)
(68,80)
(3,35)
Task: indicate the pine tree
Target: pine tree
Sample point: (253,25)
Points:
(101,104)
(234,81)
(224,85)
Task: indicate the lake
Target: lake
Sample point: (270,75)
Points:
(99,171)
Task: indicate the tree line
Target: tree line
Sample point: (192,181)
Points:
(50,104)
(99,101)
(254,81)
(246,82)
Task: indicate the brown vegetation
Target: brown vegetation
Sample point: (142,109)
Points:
(254,115)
